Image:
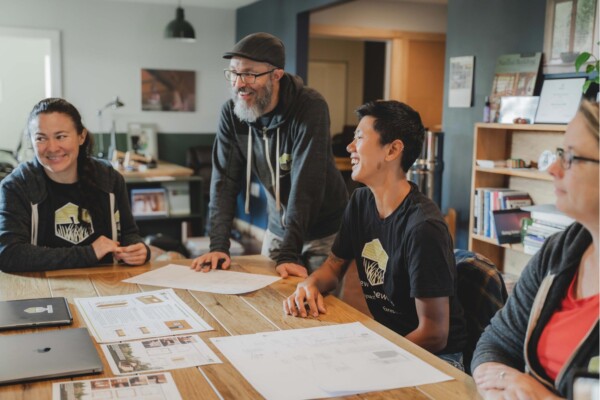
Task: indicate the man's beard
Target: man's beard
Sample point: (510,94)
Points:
(250,113)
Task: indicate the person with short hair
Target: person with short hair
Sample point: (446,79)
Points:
(277,129)
(65,209)
(397,236)
(548,329)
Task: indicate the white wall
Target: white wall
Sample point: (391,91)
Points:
(16,97)
(404,16)
(105,44)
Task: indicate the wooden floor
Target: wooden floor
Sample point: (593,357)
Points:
(351,292)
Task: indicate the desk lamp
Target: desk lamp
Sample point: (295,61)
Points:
(116,103)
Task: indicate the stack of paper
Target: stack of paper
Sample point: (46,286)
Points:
(153,317)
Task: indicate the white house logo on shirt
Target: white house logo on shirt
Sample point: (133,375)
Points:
(374,261)
(68,227)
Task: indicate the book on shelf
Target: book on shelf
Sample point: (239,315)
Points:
(547,214)
(179,197)
(489,199)
(515,200)
(491,163)
(507,225)
(547,221)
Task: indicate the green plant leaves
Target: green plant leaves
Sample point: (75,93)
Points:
(581,59)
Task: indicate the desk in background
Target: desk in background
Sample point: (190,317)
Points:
(229,315)
(162,176)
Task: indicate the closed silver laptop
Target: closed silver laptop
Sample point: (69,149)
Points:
(48,354)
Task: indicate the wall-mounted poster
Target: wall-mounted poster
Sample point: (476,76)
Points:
(461,81)
(168,90)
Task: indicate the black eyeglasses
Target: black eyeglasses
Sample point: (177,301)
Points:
(246,77)
(566,158)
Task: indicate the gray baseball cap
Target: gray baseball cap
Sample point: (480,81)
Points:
(261,47)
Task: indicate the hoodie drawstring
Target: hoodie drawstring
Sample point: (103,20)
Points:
(248,171)
(278,173)
(274,177)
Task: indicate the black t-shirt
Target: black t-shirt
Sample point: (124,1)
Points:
(402,257)
(59,224)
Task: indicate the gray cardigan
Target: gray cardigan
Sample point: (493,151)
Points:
(513,334)
(23,190)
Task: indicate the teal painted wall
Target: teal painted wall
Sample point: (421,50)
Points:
(499,27)
(172,147)
(288,20)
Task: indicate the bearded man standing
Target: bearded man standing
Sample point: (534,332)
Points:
(278,129)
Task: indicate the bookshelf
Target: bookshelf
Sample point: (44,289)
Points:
(161,177)
(494,141)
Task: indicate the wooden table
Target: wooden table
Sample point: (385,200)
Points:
(228,314)
(162,169)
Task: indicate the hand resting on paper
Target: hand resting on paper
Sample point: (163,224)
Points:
(210,261)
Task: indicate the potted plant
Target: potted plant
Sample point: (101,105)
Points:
(594,66)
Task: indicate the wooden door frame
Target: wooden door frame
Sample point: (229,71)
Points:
(399,48)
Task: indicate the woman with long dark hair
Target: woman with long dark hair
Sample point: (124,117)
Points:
(65,209)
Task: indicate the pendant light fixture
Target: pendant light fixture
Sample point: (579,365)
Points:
(179,28)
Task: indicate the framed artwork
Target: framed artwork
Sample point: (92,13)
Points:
(515,75)
(168,90)
(559,100)
(571,27)
(149,202)
(141,139)
(460,94)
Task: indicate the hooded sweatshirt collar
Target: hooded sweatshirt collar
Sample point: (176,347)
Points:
(33,173)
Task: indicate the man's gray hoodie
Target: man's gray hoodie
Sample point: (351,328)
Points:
(293,160)
(24,190)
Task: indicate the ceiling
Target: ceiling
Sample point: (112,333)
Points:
(225,4)
(234,4)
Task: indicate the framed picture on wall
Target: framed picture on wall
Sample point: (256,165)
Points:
(168,90)
(141,139)
(571,27)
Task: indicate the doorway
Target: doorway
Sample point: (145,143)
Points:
(30,71)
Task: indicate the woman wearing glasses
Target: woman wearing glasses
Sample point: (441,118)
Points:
(548,329)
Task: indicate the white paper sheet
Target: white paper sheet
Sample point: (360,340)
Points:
(159,354)
(142,387)
(139,316)
(325,361)
(216,281)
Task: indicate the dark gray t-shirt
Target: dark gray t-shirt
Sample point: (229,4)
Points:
(404,256)
(60,224)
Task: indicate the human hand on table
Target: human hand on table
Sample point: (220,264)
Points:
(291,269)
(306,292)
(134,254)
(103,245)
(209,261)
(499,381)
